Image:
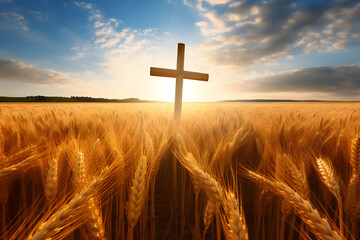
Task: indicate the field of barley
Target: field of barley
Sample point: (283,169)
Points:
(227,171)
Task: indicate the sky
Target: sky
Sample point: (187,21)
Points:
(277,49)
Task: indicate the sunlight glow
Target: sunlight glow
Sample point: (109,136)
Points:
(165,90)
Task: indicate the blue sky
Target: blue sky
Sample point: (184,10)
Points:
(251,49)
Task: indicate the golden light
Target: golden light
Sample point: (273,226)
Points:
(165,89)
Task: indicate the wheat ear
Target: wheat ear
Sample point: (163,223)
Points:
(57,220)
(79,173)
(319,226)
(288,172)
(351,201)
(137,193)
(211,187)
(51,185)
(236,220)
(13,170)
(328,176)
(332,182)
(352,196)
(212,206)
(95,224)
(355,156)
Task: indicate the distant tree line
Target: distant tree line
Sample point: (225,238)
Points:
(40,98)
(90,99)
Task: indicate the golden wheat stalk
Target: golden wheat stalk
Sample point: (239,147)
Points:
(318,225)
(60,218)
(51,185)
(137,193)
(236,220)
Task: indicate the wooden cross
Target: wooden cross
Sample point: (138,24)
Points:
(179,74)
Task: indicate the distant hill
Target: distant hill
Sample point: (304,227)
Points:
(132,100)
(66,99)
(281,100)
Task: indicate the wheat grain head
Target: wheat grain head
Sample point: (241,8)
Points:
(137,193)
(318,225)
(51,185)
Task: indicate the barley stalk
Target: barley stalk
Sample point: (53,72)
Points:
(319,226)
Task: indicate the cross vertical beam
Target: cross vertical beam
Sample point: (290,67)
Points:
(179,80)
(179,74)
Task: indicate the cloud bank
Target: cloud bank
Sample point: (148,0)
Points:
(13,71)
(247,32)
(341,81)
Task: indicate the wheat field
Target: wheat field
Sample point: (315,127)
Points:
(228,171)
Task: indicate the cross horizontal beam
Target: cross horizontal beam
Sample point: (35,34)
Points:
(164,72)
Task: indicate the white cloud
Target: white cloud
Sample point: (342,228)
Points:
(13,71)
(337,81)
(124,49)
(341,27)
(214,24)
(217,2)
(13,20)
(98,24)
(250,32)
(78,56)
(38,15)
(187,3)
(83,5)
(109,37)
